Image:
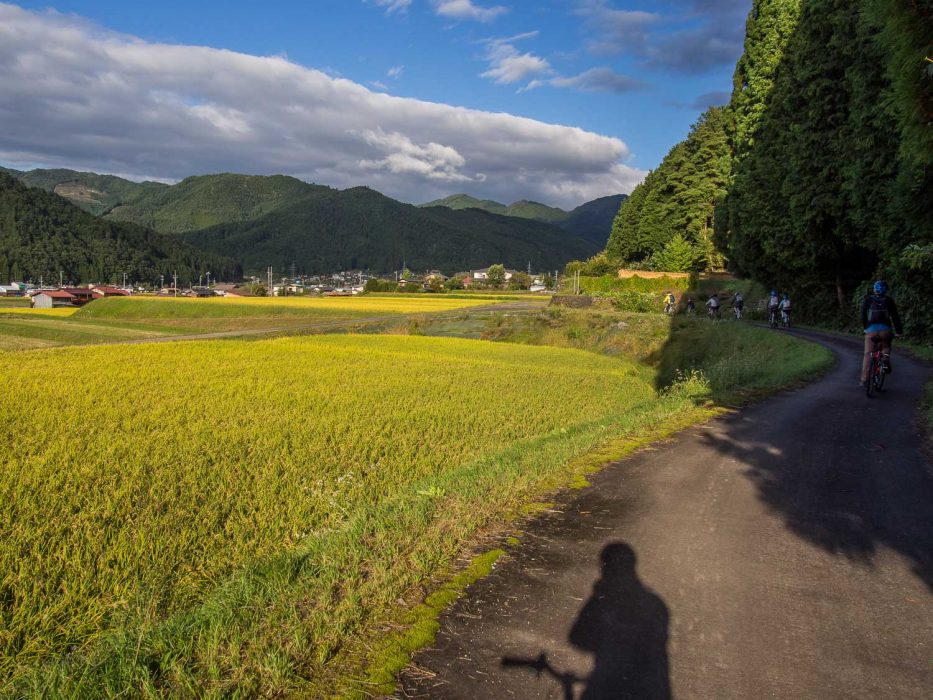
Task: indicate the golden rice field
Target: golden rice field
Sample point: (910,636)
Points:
(170,307)
(200,517)
(61,312)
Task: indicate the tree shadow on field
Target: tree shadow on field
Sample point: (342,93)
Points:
(624,625)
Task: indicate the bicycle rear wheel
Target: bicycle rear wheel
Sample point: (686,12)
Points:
(870,384)
(880,374)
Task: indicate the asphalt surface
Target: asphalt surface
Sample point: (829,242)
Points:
(784,551)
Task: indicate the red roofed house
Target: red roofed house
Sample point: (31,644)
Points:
(104,291)
(52,298)
(82,295)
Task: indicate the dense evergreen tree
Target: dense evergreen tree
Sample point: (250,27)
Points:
(42,234)
(677,199)
(827,197)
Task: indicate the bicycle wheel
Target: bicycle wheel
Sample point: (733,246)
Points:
(870,384)
(880,374)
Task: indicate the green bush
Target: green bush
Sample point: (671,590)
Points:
(607,284)
(645,302)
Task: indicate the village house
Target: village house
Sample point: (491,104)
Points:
(483,274)
(53,298)
(12,290)
(81,295)
(105,291)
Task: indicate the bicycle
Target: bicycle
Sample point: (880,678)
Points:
(669,308)
(542,665)
(877,368)
(785,318)
(713,313)
(738,312)
(772,318)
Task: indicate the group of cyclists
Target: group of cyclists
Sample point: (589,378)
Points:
(778,306)
(879,319)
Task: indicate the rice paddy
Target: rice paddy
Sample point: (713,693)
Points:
(233,517)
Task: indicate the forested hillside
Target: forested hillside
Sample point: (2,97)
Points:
(360,228)
(89,191)
(523,209)
(667,222)
(42,234)
(591,220)
(206,200)
(835,186)
(828,179)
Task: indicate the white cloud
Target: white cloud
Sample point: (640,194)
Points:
(395,72)
(508,65)
(592,80)
(465,9)
(394,5)
(77,96)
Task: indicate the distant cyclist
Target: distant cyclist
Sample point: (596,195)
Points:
(785,307)
(691,306)
(774,303)
(738,303)
(880,320)
(713,306)
(670,303)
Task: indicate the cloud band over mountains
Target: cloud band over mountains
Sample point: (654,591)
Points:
(75,95)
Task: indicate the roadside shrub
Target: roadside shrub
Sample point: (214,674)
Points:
(644,302)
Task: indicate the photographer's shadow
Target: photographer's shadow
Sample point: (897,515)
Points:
(625,626)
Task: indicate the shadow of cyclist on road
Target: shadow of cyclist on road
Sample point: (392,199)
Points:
(624,625)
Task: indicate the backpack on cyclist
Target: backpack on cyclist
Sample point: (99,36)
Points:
(878,310)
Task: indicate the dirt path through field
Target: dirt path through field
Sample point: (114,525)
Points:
(784,551)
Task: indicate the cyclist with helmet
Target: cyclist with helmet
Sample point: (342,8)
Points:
(670,303)
(691,306)
(738,303)
(773,303)
(713,305)
(785,307)
(880,320)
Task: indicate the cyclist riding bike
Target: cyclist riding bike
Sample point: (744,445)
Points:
(691,306)
(713,306)
(880,321)
(785,310)
(774,304)
(738,303)
(670,303)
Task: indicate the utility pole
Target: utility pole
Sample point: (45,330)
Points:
(161,282)
(60,279)
(175,281)
(208,279)
(124,280)
(270,280)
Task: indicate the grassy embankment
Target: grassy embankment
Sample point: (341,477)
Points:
(138,318)
(234,517)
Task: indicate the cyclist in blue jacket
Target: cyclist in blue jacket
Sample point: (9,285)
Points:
(880,320)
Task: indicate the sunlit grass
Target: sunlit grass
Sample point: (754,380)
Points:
(60,312)
(170,307)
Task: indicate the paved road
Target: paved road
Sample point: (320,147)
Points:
(785,551)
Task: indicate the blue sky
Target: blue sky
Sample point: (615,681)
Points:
(636,72)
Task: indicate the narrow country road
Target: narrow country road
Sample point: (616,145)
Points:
(784,551)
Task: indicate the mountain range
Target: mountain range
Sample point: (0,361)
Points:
(282,221)
(592,220)
(43,235)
